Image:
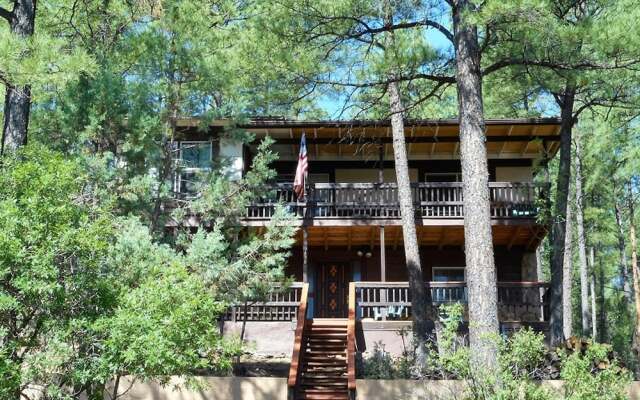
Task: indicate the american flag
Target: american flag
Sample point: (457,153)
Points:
(301,170)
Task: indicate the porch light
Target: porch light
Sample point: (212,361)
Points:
(364,252)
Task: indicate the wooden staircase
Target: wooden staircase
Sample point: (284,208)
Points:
(323,360)
(323,374)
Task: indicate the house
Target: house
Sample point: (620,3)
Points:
(348,261)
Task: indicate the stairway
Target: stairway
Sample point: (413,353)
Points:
(324,367)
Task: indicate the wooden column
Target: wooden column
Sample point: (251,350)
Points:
(381,163)
(383,257)
(305,251)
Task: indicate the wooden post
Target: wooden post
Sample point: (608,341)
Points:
(305,251)
(383,272)
(381,163)
(383,266)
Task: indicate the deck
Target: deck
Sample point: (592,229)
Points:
(525,302)
(377,203)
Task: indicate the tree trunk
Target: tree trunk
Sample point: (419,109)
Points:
(567,278)
(558,221)
(17,101)
(622,252)
(602,313)
(592,290)
(634,270)
(481,272)
(407,212)
(582,250)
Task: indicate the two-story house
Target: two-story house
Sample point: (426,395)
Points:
(348,260)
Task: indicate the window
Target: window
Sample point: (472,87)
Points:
(448,274)
(443,177)
(193,159)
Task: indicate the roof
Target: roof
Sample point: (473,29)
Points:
(523,137)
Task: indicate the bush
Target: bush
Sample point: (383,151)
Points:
(594,375)
(524,361)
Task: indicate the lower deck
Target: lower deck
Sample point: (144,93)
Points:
(381,296)
(329,270)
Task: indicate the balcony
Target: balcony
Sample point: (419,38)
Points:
(378,202)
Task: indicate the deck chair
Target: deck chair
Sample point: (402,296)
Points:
(395,312)
(377,313)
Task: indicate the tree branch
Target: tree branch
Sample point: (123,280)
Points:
(6,14)
(585,65)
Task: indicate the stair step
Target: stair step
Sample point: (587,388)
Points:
(325,370)
(334,395)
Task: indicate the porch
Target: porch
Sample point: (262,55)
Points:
(523,303)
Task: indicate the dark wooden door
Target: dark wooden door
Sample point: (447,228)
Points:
(332,290)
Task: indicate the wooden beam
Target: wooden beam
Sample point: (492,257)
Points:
(373,237)
(534,130)
(505,143)
(413,128)
(514,237)
(435,136)
(293,145)
(455,148)
(383,256)
(315,136)
(349,238)
(305,253)
(325,238)
(416,139)
(441,239)
(396,240)
(533,239)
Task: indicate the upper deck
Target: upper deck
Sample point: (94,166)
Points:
(352,176)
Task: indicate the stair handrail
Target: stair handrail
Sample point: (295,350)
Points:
(296,357)
(351,339)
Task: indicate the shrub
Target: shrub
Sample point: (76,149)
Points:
(594,374)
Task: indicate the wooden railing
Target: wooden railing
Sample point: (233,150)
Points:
(282,305)
(380,200)
(517,301)
(296,357)
(351,341)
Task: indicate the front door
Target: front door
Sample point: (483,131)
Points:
(332,289)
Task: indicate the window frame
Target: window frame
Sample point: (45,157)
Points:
(182,169)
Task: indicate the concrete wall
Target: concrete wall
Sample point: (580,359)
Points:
(232,388)
(212,388)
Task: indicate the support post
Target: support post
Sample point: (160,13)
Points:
(383,272)
(383,261)
(305,251)
(381,163)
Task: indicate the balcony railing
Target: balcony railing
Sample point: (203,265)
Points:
(517,301)
(282,305)
(378,301)
(380,200)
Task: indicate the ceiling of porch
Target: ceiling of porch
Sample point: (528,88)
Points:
(528,236)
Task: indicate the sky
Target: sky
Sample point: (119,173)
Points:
(333,106)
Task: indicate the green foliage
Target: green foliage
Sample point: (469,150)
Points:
(166,320)
(86,297)
(593,375)
(52,241)
(380,364)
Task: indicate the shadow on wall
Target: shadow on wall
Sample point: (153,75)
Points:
(211,388)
